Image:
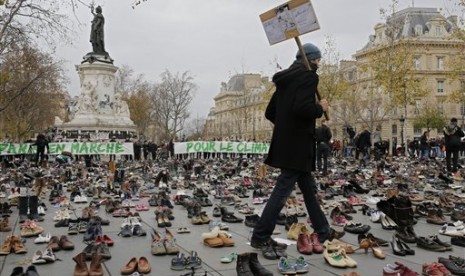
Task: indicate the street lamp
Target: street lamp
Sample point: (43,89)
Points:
(402,122)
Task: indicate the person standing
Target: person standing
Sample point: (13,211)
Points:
(452,134)
(293,110)
(424,146)
(364,145)
(376,139)
(42,144)
(323,137)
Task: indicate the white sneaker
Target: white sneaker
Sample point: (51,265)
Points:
(126,222)
(458,224)
(37,258)
(451,230)
(375,216)
(48,255)
(43,239)
(41,211)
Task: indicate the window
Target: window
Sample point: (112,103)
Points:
(440,86)
(416,63)
(441,107)
(418,30)
(394,129)
(462,109)
(440,63)
(417,131)
(416,111)
(438,30)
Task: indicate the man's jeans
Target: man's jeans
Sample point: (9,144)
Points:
(283,188)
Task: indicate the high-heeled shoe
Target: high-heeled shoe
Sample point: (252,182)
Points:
(396,247)
(377,251)
(366,243)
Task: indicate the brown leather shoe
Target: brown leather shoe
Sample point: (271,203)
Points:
(143,265)
(130,267)
(303,244)
(81,267)
(4,227)
(6,247)
(95,268)
(54,243)
(65,243)
(435,217)
(17,246)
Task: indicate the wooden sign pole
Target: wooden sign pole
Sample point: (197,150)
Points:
(307,64)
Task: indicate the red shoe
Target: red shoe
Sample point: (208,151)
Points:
(442,268)
(107,240)
(98,240)
(431,270)
(405,271)
(304,245)
(316,244)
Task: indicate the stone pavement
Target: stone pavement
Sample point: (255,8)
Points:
(126,248)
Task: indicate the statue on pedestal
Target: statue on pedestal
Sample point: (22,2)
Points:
(96,33)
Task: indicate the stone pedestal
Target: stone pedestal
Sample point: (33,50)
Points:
(99,106)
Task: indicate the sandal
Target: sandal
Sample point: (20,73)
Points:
(183,230)
(178,262)
(193,261)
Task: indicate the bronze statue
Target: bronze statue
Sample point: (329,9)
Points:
(96,34)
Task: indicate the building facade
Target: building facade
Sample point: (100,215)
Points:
(239,110)
(426,39)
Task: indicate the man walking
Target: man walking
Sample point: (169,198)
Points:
(323,137)
(452,135)
(293,111)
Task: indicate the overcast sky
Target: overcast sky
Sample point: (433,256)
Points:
(215,39)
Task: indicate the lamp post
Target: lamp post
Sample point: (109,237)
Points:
(402,122)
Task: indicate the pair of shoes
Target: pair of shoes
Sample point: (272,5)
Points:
(57,244)
(296,229)
(398,270)
(366,243)
(217,238)
(248,265)
(12,244)
(400,248)
(251,220)
(289,267)
(30,228)
(43,239)
(4,225)
(95,268)
(336,256)
(30,271)
(183,230)
(309,243)
(202,218)
(104,239)
(435,216)
(94,248)
(44,257)
(454,264)
(332,234)
(406,234)
(433,243)
(181,262)
(356,228)
(165,245)
(435,269)
(140,265)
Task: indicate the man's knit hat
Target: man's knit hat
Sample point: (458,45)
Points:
(311,51)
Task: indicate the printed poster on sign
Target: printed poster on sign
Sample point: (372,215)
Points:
(289,20)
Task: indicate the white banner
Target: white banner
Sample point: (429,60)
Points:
(77,148)
(221,147)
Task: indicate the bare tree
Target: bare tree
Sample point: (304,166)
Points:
(171,101)
(32,95)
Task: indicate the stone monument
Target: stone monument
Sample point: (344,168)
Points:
(99,107)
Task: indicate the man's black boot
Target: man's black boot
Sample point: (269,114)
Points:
(33,212)
(256,267)
(23,206)
(243,265)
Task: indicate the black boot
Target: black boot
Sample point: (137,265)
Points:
(33,205)
(243,265)
(18,271)
(31,271)
(23,208)
(256,267)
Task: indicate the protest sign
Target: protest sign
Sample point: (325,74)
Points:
(77,148)
(289,20)
(221,147)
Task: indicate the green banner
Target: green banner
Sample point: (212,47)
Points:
(77,148)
